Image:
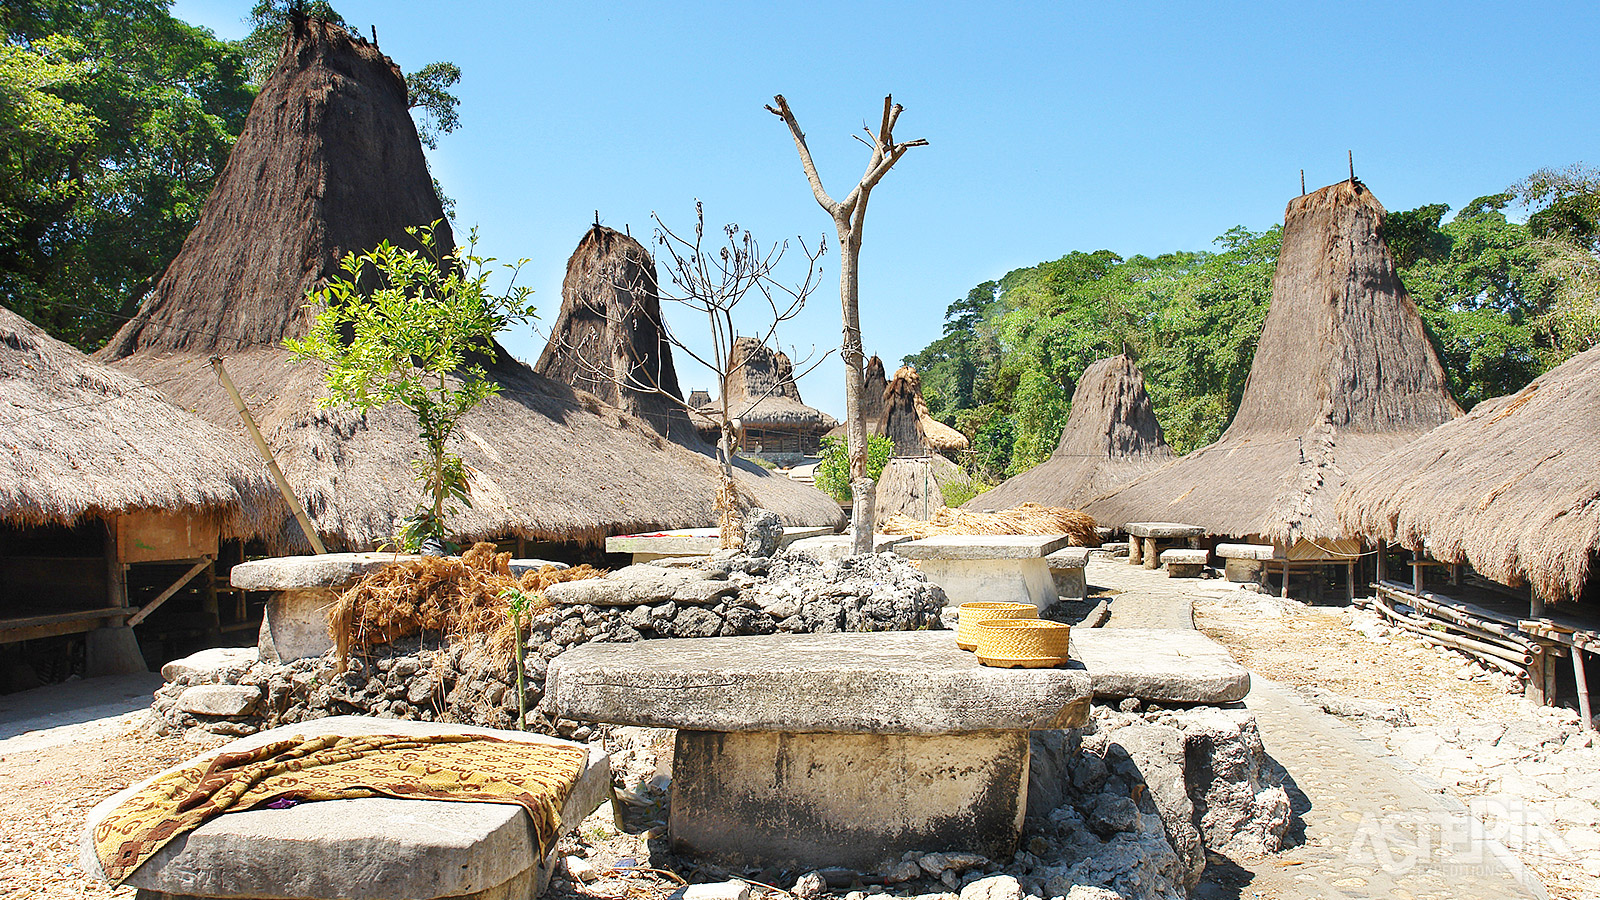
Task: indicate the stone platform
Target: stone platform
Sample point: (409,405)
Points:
(376,848)
(300,589)
(691,541)
(790,745)
(1007,568)
(1159,665)
(1145,539)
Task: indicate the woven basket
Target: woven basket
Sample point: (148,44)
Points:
(973,613)
(1028,643)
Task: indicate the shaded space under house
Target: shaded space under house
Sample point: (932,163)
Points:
(1111,437)
(114,507)
(329,163)
(1343,374)
(763,396)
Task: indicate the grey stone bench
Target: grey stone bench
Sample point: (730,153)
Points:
(1246,562)
(1144,540)
(691,541)
(375,848)
(1159,665)
(828,749)
(295,624)
(1184,563)
(1007,568)
(1066,570)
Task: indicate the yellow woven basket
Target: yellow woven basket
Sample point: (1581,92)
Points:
(970,614)
(1024,643)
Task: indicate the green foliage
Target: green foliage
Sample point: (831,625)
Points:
(520,604)
(833,471)
(956,493)
(408,326)
(115,119)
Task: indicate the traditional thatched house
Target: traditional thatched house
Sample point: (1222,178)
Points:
(873,384)
(1513,488)
(912,481)
(100,472)
(609,339)
(1111,436)
(763,396)
(1344,373)
(329,163)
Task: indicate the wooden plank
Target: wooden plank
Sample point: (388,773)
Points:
(145,611)
(29,628)
(155,536)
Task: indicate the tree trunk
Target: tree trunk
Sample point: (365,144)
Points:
(863,517)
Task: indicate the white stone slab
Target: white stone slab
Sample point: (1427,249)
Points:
(1184,557)
(366,849)
(983,546)
(1160,665)
(296,573)
(1247,551)
(837,546)
(1164,530)
(1016,580)
(1068,558)
(211,661)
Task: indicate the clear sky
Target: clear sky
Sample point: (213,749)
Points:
(1136,127)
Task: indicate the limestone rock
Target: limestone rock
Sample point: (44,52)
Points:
(763,532)
(642,584)
(208,664)
(722,890)
(222,700)
(810,886)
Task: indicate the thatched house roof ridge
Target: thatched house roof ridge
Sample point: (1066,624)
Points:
(1512,488)
(762,392)
(907,422)
(1343,373)
(873,385)
(87,440)
(609,338)
(329,163)
(1111,436)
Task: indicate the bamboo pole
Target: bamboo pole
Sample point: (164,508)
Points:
(266,454)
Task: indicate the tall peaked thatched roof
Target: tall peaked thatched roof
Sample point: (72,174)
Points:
(907,422)
(329,162)
(82,439)
(762,391)
(608,338)
(1111,436)
(873,384)
(1513,488)
(1343,373)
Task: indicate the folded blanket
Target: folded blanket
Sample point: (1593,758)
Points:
(461,767)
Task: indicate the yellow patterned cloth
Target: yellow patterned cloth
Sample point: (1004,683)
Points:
(463,767)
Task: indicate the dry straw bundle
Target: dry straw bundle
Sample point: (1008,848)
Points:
(1028,518)
(455,596)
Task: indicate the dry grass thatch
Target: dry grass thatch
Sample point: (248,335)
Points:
(458,597)
(1344,373)
(82,439)
(914,485)
(608,338)
(873,385)
(906,421)
(329,162)
(1513,488)
(1029,518)
(758,372)
(1111,437)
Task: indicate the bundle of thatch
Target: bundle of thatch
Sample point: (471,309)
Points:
(1028,518)
(1344,374)
(608,338)
(906,421)
(873,384)
(329,163)
(82,439)
(1110,437)
(1513,488)
(763,395)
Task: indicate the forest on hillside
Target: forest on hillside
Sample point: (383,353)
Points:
(1507,287)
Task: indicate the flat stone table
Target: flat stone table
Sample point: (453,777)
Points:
(837,546)
(1159,665)
(295,623)
(1143,538)
(1066,571)
(376,848)
(810,750)
(1007,568)
(690,541)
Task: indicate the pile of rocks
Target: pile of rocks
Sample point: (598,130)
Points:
(728,593)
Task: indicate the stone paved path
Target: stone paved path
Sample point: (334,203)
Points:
(1370,827)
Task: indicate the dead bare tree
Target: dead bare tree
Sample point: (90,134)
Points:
(713,282)
(849,215)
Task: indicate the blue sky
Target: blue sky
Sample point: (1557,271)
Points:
(1141,128)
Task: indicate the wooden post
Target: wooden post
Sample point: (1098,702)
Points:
(1416,572)
(1350,580)
(1378,562)
(116,572)
(266,454)
(1283,592)
(211,614)
(1455,574)
(1585,713)
(1535,604)
(1534,689)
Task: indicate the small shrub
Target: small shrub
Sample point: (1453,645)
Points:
(833,472)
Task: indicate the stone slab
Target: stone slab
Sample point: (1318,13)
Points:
(375,848)
(1184,557)
(294,624)
(1164,530)
(210,662)
(692,541)
(1247,551)
(837,546)
(1242,571)
(643,583)
(898,682)
(982,546)
(224,700)
(1160,665)
(1009,580)
(1068,558)
(296,573)
(808,801)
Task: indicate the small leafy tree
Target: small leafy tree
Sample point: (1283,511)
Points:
(411,326)
(833,470)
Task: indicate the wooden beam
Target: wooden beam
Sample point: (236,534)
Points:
(29,628)
(1584,711)
(145,611)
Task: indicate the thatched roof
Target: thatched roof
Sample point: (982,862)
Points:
(329,162)
(906,421)
(762,392)
(873,383)
(82,439)
(608,337)
(1513,488)
(1110,437)
(911,486)
(1343,374)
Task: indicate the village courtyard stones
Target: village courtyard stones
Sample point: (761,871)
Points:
(789,744)
(377,848)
